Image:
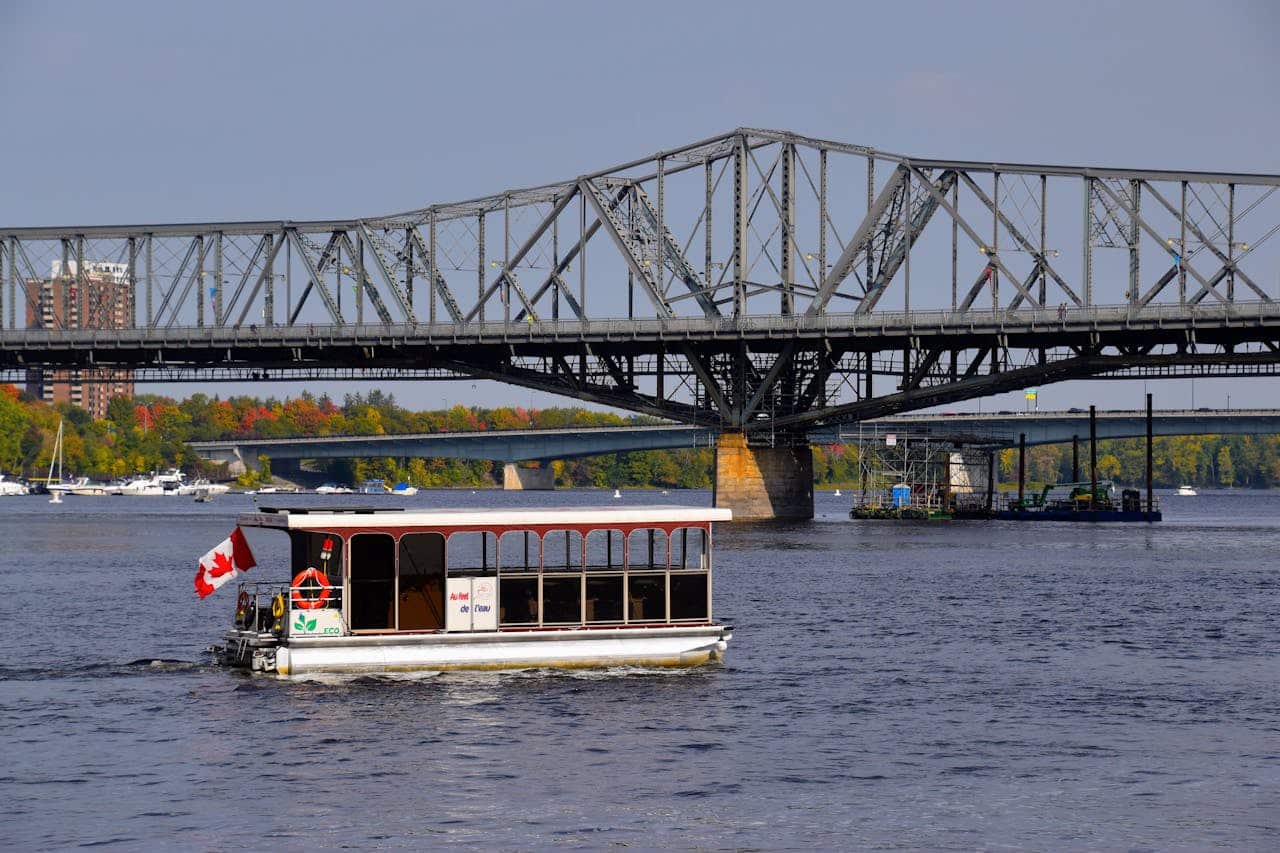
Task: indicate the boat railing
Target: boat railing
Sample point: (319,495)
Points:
(1130,500)
(266,606)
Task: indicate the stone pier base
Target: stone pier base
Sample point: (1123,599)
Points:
(762,483)
(515,478)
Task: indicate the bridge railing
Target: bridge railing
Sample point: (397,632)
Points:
(674,327)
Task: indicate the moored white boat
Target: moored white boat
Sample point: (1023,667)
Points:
(12,488)
(395,591)
(1186,491)
(404,490)
(332,489)
(141,485)
(203,486)
(84,487)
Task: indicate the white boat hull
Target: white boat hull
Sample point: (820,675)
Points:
(575,648)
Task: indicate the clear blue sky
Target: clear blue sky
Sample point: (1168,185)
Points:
(168,111)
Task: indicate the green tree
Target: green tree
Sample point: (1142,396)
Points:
(13,425)
(1226,469)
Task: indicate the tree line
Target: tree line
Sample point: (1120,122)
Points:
(153,432)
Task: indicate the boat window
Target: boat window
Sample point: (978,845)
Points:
(688,548)
(647,598)
(420,595)
(518,551)
(689,596)
(308,547)
(561,550)
(472,554)
(373,563)
(604,549)
(604,598)
(518,600)
(562,600)
(647,548)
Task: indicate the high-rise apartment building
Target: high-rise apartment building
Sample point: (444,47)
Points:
(100,297)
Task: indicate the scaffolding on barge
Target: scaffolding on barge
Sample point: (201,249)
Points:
(919,477)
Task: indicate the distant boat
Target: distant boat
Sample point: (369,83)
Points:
(404,490)
(1186,492)
(617,493)
(204,487)
(142,485)
(333,489)
(11,488)
(79,486)
(837,493)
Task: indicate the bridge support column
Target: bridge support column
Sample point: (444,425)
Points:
(236,463)
(762,483)
(516,479)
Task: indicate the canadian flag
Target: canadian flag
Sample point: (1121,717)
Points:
(229,559)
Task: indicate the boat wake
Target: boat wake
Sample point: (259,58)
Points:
(104,669)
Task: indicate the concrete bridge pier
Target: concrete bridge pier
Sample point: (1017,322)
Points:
(763,483)
(516,479)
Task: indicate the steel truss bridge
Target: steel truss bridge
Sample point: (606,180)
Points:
(757,280)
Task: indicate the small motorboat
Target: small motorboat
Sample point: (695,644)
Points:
(404,490)
(1186,492)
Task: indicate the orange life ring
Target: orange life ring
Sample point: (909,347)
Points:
(321,585)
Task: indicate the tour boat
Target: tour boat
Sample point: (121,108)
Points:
(379,590)
(1186,491)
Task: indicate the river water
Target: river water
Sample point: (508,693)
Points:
(948,686)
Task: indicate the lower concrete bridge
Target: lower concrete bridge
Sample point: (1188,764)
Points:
(1005,428)
(517,445)
(756,481)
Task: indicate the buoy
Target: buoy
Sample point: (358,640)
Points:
(617,493)
(837,493)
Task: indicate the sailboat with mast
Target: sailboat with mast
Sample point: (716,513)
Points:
(56,456)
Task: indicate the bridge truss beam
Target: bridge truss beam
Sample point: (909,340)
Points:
(756,280)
